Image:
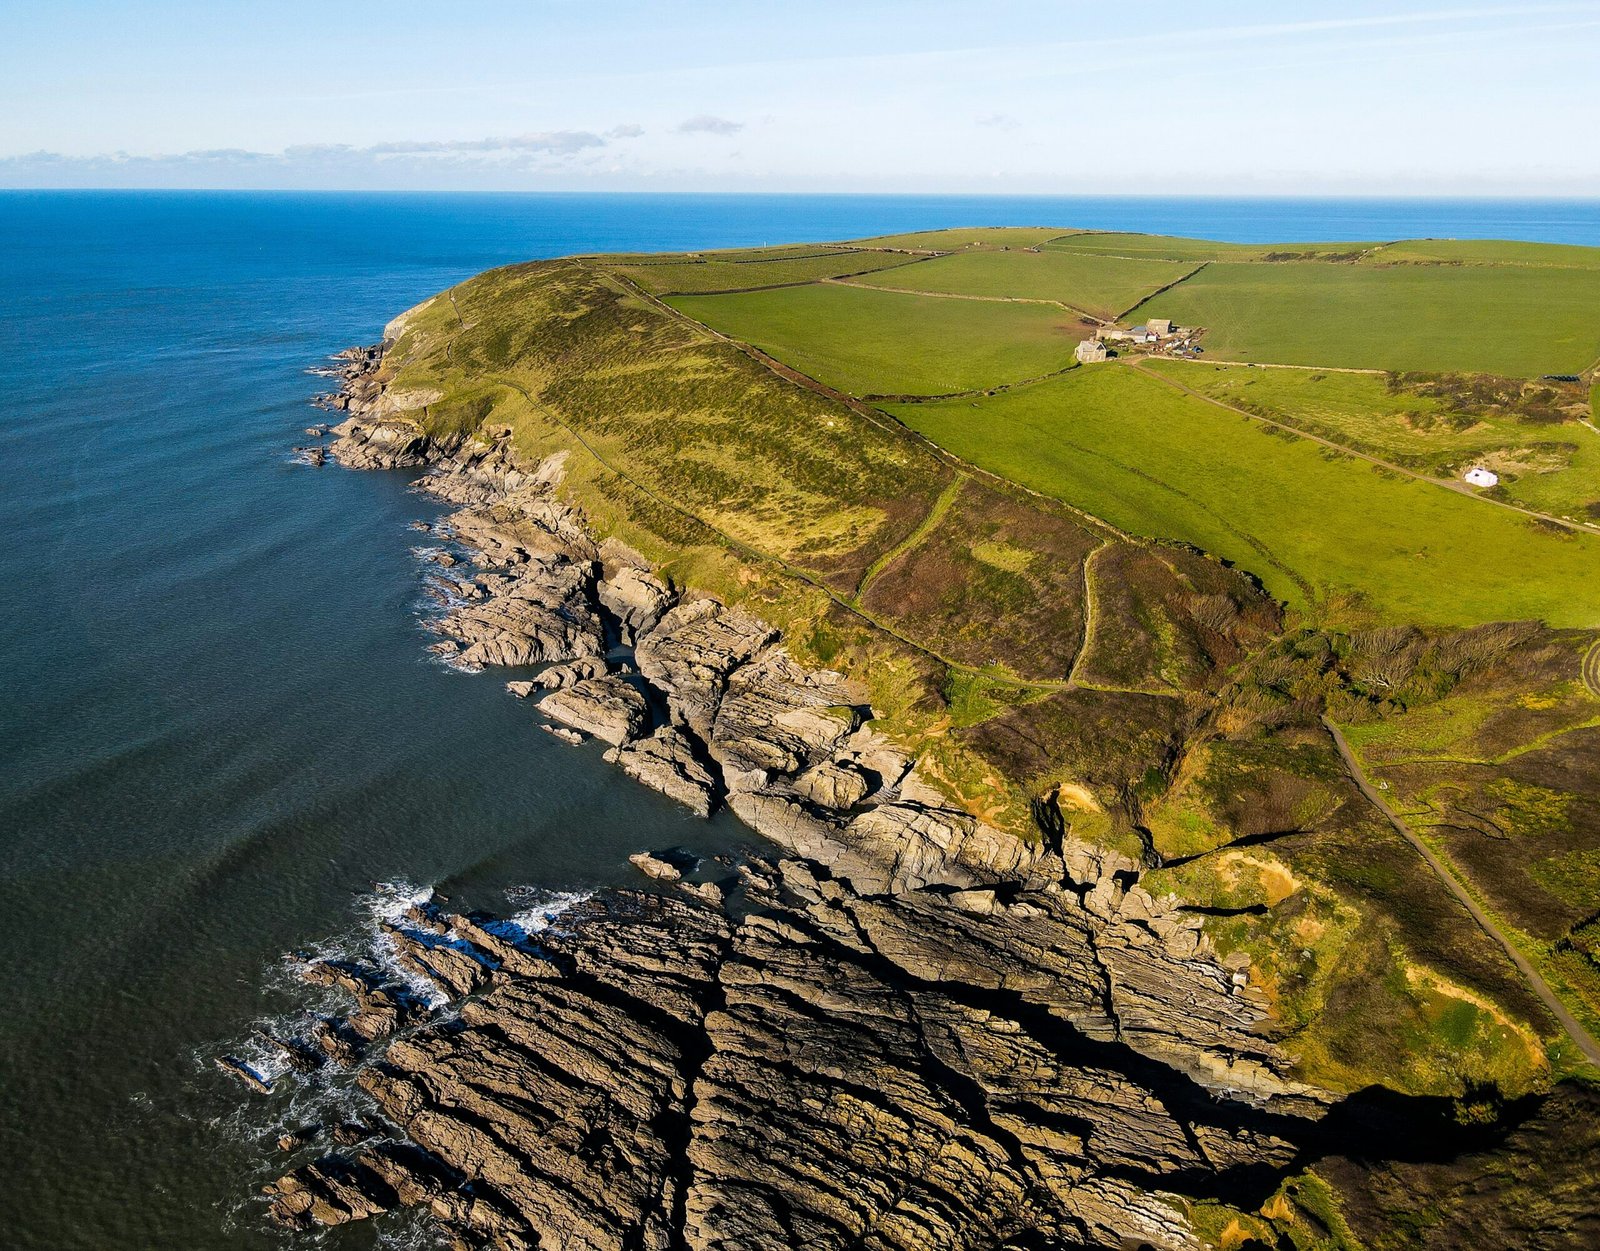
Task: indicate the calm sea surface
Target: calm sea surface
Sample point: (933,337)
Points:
(219,728)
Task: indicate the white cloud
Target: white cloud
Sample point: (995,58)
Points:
(706,124)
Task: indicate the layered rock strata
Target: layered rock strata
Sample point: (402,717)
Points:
(814,1067)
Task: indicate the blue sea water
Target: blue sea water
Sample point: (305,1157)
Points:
(220,727)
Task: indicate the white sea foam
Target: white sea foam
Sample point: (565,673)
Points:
(539,910)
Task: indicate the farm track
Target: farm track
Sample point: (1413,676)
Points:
(1458,488)
(1584,1040)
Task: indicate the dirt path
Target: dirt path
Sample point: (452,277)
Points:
(1568,1022)
(924,528)
(1460,488)
(1591,669)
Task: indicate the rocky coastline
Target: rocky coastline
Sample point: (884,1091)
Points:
(902,1029)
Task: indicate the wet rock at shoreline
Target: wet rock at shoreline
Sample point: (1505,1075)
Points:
(609,708)
(666,762)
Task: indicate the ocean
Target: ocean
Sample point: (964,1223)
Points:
(221,731)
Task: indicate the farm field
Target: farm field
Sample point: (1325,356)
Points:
(1515,321)
(719,274)
(1551,466)
(1177,248)
(1315,527)
(1103,286)
(869,342)
(1483,252)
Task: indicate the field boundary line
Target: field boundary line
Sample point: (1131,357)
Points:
(1460,489)
(843,281)
(1159,291)
(1575,1030)
(879,418)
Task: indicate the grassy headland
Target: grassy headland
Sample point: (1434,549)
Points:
(1045,620)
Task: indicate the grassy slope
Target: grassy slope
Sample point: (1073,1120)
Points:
(1364,412)
(1510,320)
(1312,526)
(869,342)
(1101,285)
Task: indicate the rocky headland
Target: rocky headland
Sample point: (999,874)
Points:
(904,1028)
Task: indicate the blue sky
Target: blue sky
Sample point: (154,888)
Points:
(1009,96)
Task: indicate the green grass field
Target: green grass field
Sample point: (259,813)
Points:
(1176,248)
(1099,285)
(1313,526)
(1484,252)
(1554,468)
(1515,321)
(715,274)
(870,342)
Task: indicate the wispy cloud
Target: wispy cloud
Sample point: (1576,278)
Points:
(402,162)
(999,121)
(706,124)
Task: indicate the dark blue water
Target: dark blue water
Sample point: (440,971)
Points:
(219,727)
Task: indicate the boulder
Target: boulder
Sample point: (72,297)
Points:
(608,708)
(653,866)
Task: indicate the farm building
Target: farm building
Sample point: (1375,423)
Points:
(1139,334)
(1159,326)
(1478,476)
(1090,350)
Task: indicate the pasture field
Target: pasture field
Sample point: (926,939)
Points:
(1102,286)
(719,274)
(1317,528)
(869,342)
(1484,252)
(1515,321)
(1553,467)
(1177,248)
(966,237)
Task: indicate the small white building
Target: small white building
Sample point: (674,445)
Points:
(1478,476)
(1090,350)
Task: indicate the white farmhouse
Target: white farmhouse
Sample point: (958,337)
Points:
(1478,476)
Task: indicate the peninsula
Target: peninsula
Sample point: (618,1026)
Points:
(1163,674)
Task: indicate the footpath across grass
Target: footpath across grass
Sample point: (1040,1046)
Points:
(1315,526)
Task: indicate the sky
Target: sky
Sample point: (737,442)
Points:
(1003,96)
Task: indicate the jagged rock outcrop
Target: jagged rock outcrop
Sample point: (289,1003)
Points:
(828,1070)
(665,762)
(544,612)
